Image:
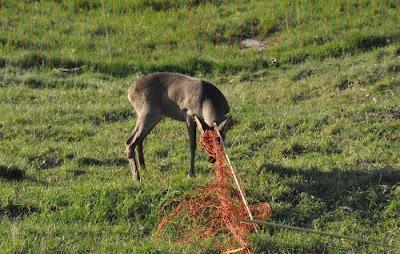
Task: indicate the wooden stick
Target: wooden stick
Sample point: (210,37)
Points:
(311,231)
(236,178)
(233,251)
(198,123)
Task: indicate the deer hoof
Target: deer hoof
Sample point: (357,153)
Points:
(191,175)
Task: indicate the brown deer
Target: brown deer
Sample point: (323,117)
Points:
(181,97)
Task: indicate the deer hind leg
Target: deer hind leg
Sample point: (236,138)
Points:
(144,125)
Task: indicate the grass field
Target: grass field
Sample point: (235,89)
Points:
(316,134)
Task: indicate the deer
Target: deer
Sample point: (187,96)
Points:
(180,97)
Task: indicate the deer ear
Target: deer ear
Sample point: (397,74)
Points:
(201,125)
(225,124)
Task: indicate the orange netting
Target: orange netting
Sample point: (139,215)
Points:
(218,205)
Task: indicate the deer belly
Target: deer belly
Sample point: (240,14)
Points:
(172,110)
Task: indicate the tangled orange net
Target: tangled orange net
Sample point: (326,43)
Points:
(218,206)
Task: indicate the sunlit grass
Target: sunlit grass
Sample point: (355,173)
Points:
(316,133)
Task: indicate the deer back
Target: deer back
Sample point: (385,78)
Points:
(179,96)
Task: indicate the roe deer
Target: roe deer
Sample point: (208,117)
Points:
(181,97)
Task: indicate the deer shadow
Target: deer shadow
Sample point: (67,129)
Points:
(362,191)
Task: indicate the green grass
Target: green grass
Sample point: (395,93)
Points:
(126,37)
(314,133)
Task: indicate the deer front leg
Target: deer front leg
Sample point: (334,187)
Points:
(191,125)
(140,155)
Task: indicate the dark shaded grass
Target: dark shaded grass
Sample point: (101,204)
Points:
(34,60)
(361,190)
(38,82)
(365,43)
(89,161)
(134,6)
(15,211)
(59,134)
(165,5)
(357,44)
(192,65)
(116,115)
(387,85)
(46,159)
(3,62)
(233,33)
(397,51)
(11,76)
(28,44)
(302,74)
(11,173)
(265,245)
(395,67)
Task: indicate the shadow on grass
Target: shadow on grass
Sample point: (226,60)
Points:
(14,211)
(365,192)
(11,173)
(332,186)
(191,65)
(338,179)
(263,244)
(305,197)
(89,161)
(112,116)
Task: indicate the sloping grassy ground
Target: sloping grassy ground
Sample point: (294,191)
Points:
(317,135)
(194,36)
